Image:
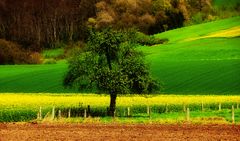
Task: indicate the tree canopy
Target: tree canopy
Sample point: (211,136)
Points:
(110,63)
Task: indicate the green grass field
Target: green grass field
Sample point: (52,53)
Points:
(225,8)
(33,78)
(200,59)
(203,58)
(226,3)
(53,53)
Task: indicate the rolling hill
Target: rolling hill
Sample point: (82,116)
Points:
(226,3)
(199,59)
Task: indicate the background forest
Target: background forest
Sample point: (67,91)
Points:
(37,25)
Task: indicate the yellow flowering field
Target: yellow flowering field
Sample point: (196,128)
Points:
(40,99)
(25,106)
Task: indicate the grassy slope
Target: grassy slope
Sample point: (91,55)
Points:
(33,78)
(187,64)
(53,53)
(226,3)
(191,64)
(199,30)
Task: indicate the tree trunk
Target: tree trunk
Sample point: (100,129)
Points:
(113,97)
(71,31)
(38,28)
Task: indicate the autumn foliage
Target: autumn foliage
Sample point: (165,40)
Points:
(12,53)
(149,16)
(38,24)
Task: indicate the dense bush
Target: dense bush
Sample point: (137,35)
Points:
(12,53)
(50,61)
(74,49)
(34,58)
(143,39)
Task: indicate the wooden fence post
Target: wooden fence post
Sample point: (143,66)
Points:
(128,111)
(59,114)
(166,108)
(202,106)
(188,115)
(114,113)
(149,111)
(69,113)
(40,113)
(233,120)
(53,113)
(85,113)
(220,107)
(184,108)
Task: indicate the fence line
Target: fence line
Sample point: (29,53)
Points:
(130,112)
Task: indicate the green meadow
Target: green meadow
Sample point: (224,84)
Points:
(33,78)
(226,3)
(199,59)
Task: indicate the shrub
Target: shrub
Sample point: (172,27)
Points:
(74,49)
(50,61)
(12,53)
(35,58)
(198,18)
(143,39)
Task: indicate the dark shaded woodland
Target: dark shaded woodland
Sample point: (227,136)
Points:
(37,24)
(44,22)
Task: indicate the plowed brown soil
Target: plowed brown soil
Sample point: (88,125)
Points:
(112,132)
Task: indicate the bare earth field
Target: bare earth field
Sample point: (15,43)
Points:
(102,132)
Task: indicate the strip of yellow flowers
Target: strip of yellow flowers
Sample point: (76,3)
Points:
(65,100)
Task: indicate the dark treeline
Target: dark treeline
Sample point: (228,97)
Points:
(42,23)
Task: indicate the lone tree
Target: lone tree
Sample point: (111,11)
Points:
(110,63)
